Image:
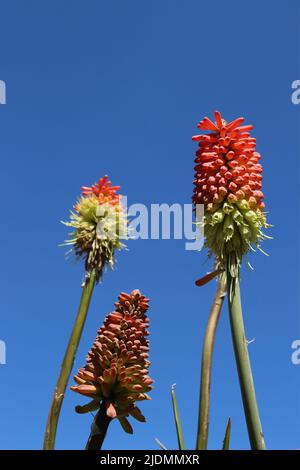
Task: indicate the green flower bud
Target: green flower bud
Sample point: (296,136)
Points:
(228,227)
(218,217)
(250,216)
(227,208)
(243,204)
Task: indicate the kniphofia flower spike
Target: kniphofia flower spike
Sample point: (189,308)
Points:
(99,224)
(228,178)
(116,370)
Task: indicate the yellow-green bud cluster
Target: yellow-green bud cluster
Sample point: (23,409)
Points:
(231,230)
(98,231)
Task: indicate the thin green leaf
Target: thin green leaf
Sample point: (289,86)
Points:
(226,440)
(160,444)
(177,420)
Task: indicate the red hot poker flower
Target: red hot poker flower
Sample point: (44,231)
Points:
(99,224)
(228,179)
(116,369)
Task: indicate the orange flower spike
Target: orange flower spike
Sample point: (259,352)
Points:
(117,366)
(99,206)
(228,183)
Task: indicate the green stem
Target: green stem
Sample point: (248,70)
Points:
(67,364)
(206,365)
(99,429)
(256,436)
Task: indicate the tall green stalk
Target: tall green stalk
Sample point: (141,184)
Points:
(255,432)
(67,364)
(206,365)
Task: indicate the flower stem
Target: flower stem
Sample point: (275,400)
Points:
(67,364)
(206,365)
(99,429)
(256,436)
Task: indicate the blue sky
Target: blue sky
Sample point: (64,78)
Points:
(118,87)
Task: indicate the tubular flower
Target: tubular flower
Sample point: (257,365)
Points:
(116,367)
(99,224)
(228,178)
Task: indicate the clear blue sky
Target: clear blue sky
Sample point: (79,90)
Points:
(118,87)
